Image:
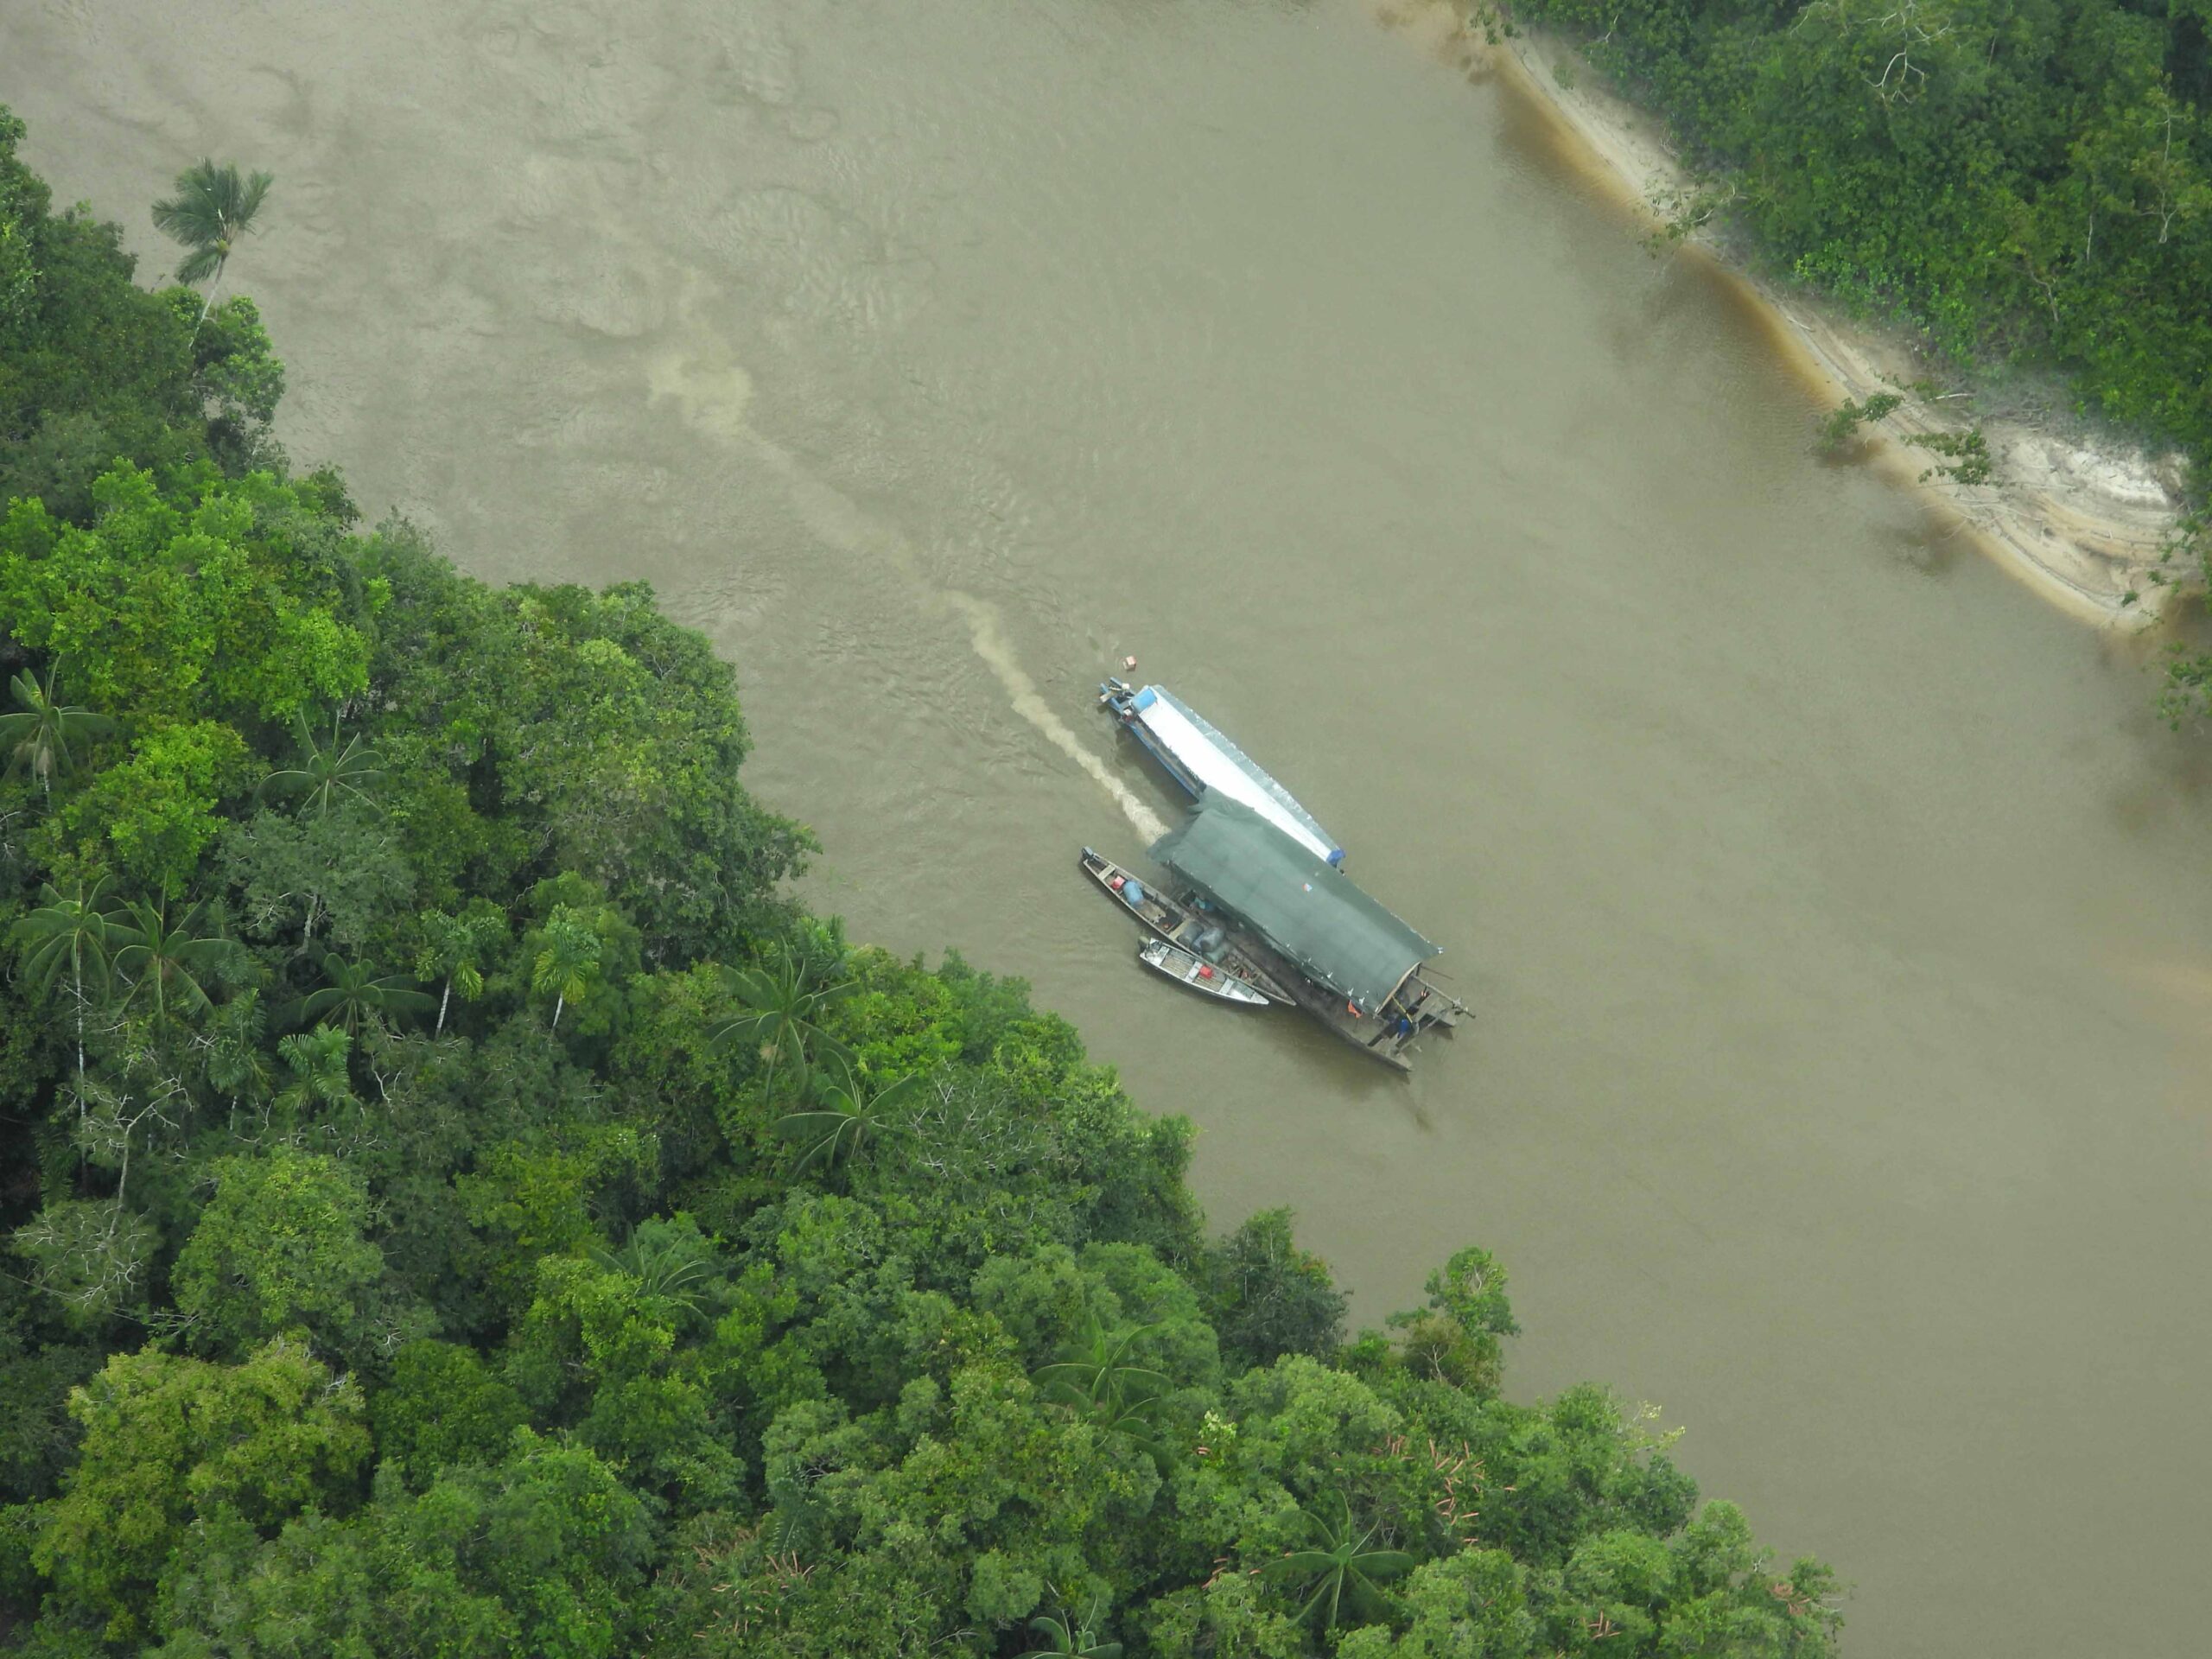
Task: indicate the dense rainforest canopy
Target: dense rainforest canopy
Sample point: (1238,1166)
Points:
(2025,181)
(454,1203)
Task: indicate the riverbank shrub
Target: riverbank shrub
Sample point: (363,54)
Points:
(2019,183)
(454,1201)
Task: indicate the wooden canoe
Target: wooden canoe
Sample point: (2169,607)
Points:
(1195,972)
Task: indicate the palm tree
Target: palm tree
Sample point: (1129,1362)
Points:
(657,1256)
(1340,1566)
(845,1120)
(1072,1640)
(68,934)
(326,769)
(568,964)
(455,953)
(318,1062)
(166,959)
(785,1008)
(213,208)
(356,993)
(1094,1377)
(39,737)
(234,1062)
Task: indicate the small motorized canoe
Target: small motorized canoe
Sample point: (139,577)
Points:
(1179,926)
(1187,968)
(1138,898)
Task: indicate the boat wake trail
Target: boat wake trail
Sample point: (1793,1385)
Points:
(842,522)
(987,636)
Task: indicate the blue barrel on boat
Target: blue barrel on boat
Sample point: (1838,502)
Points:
(1133,891)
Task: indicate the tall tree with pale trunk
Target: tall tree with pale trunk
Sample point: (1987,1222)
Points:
(212,210)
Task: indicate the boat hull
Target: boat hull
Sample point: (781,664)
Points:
(1203,761)
(1178,925)
(1194,973)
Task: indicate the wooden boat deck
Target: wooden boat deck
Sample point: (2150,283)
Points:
(1381,1039)
(1372,1037)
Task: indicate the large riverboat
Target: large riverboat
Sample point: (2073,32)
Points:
(1254,867)
(1342,957)
(1202,762)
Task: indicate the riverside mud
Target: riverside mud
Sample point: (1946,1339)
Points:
(2088,522)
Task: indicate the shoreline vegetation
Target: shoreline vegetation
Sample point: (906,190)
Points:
(453,1199)
(2091,522)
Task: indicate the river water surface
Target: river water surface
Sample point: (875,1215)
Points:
(1837,918)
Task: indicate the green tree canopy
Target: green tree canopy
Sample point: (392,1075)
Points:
(279,1247)
(169,1440)
(2020,184)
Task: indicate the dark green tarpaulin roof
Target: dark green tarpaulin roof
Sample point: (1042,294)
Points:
(1308,910)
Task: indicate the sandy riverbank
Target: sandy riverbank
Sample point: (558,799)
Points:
(2083,523)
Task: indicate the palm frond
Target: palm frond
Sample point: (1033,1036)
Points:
(663,1270)
(40,735)
(199,265)
(250,199)
(194,215)
(828,1130)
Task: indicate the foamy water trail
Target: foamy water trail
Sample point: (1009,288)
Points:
(988,637)
(841,522)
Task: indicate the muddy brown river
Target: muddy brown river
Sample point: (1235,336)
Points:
(1838,919)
